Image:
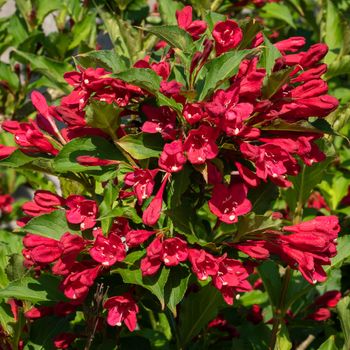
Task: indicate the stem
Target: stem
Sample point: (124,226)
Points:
(280,312)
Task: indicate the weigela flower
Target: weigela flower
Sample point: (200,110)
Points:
(184,20)
(172,159)
(170,251)
(200,144)
(6,151)
(81,211)
(64,340)
(38,312)
(122,308)
(77,284)
(203,263)
(329,299)
(108,251)
(5,203)
(227,36)
(227,203)
(142,182)
(231,278)
(193,113)
(159,120)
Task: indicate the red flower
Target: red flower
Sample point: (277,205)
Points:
(136,237)
(231,278)
(193,113)
(203,263)
(227,203)
(142,182)
(329,299)
(64,340)
(227,36)
(172,158)
(108,251)
(171,252)
(151,215)
(200,145)
(122,308)
(77,284)
(6,203)
(184,20)
(321,314)
(81,211)
(6,151)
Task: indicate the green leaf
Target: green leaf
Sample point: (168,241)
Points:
(275,81)
(254,297)
(45,288)
(6,318)
(43,8)
(52,225)
(125,212)
(103,115)
(220,69)
(16,160)
(107,59)
(99,147)
(252,224)
(141,146)
(175,36)
(271,278)
(278,11)
(250,29)
(8,76)
(263,196)
(329,344)
(176,287)
(339,66)
(15,268)
(343,249)
(333,33)
(343,310)
(54,70)
(167,9)
(179,184)
(132,274)
(144,78)
(283,341)
(196,311)
(269,55)
(82,29)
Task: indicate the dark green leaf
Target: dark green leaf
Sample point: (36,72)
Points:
(132,274)
(15,268)
(263,196)
(278,11)
(343,310)
(52,225)
(269,55)
(44,288)
(196,311)
(103,115)
(271,278)
(174,35)
(92,146)
(220,69)
(275,81)
(107,59)
(141,146)
(176,287)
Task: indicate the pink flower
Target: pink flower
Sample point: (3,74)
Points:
(193,113)
(6,151)
(227,203)
(170,251)
(77,284)
(231,278)
(81,211)
(142,182)
(184,20)
(6,203)
(95,161)
(122,308)
(329,299)
(321,314)
(64,340)
(159,120)
(227,36)
(203,263)
(107,251)
(136,237)
(200,144)
(172,158)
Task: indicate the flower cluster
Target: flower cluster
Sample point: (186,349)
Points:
(219,139)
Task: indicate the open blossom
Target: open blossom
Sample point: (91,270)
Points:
(81,211)
(142,181)
(169,251)
(200,144)
(231,278)
(108,250)
(122,308)
(227,36)
(172,158)
(203,263)
(227,203)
